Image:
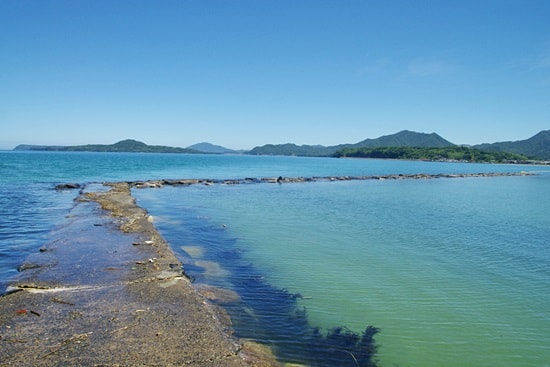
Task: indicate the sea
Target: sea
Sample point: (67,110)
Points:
(396,272)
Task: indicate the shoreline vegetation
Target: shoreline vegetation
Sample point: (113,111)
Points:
(442,154)
(402,145)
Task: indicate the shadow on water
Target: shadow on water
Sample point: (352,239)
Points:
(272,315)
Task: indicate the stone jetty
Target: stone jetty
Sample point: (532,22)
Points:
(282,180)
(108,291)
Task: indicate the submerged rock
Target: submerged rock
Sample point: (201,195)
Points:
(254,352)
(27,266)
(217,294)
(68,186)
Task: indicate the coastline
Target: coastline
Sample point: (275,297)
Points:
(108,290)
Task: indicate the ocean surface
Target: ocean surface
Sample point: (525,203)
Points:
(449,272)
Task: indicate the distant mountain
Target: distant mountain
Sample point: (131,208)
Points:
(128,145)
(211,148)
(293,149)
(536,147)
(406,138)
(403,138)
(38,147)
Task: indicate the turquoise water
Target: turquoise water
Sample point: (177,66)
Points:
(453,272)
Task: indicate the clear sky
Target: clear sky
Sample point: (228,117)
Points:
(242,73)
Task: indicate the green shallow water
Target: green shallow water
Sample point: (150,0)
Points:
(453,271)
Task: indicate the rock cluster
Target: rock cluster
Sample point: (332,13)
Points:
(281,180)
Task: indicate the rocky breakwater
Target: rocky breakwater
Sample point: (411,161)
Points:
(107,290)
(282,180)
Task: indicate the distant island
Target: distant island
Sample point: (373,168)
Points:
(127,146)
(402,145)
(400,139)
(215,149)
(534,148)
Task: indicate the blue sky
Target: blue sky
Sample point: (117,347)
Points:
(245,73)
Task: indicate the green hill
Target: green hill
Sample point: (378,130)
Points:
(293,149)
(211,148)
(406,138)
(536,147)
(128,145)
(402,138)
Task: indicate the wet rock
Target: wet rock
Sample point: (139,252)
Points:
(254,353)
(281,179)
(217,294)
(140,243)
(28,266)
(68,186)
(148,185)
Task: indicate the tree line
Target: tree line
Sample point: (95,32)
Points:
(454,153)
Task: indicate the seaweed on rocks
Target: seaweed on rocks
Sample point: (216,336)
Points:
(272,316)
(268,314)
